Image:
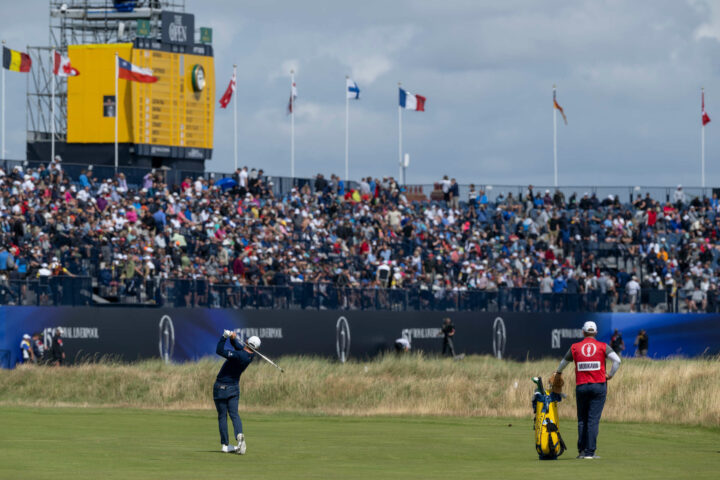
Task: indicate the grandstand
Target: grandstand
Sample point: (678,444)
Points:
(80,236)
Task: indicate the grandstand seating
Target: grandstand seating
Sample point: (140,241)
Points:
(81,239)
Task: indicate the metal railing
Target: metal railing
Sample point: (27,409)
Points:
(58,290)
(626,194)
(320,296)
(203,293)
(282,185)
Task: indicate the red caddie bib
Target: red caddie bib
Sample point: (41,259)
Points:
(589,358)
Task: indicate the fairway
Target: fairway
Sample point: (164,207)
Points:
(82,443)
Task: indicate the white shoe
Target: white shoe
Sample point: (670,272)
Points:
(241,447)
(228,448)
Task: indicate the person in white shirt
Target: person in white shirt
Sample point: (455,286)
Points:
(445,183)
(44,271)
(633,290)
(402,345)
(28,185)
(84,195)
(244,178)
(679,195)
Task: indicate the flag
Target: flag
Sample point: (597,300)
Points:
(128,71)
(557,105)
(62,67)
(705,116)
(293,97)
(353,91)
(16,61)
(412,102)
(227,96)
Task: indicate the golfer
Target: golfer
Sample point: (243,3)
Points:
(226,391)
(591,385)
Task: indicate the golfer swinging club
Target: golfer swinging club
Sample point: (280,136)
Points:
(591,385)
(226,391)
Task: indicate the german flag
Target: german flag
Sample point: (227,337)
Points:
(16,61)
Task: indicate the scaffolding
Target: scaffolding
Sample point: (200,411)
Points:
(78,22)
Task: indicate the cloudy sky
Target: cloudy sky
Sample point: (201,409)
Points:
(628,75)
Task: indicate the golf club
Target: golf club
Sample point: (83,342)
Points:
(263,357)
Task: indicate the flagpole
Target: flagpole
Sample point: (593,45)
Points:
(702,140)
(555,161)
(235,144)
(400,179)
(292,125)
(117,112)
(52,107)
(702,145)
(2,148)
(347,131)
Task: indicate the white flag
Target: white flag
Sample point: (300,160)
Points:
(353,91)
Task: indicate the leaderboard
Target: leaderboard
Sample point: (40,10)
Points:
(174,116)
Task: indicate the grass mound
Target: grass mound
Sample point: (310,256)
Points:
(678,391)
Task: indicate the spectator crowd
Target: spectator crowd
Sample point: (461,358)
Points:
(536,250)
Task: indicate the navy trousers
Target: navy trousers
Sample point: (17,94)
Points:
(226,402)
(590,403)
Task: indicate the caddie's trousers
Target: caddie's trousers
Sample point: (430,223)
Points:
(226,398)
(590,403)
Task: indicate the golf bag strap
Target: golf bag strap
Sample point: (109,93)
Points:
(552,428)
(562,444)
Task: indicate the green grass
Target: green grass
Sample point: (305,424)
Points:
(89,443)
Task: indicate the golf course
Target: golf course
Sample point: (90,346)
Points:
(90,443)
(394,417)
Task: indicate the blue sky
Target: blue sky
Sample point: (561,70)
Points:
(628,75)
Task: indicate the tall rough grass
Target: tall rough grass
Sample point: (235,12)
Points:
(676,391)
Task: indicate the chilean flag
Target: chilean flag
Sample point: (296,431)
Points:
(128,71)
(62,67)
(408,101)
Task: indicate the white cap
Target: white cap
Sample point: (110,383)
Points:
(253,342)
(589,327)
(26,337)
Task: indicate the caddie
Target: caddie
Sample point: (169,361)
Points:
(591,385)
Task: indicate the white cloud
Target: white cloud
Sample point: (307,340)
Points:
(283,71)
(710,28)
(369,52)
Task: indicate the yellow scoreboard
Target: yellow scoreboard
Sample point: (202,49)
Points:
(172,117)
(91,95)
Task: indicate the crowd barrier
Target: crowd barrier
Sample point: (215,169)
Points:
(183,334)
(79,291)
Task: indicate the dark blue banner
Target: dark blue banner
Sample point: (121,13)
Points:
(183,334)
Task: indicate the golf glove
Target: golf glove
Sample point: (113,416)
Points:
(226,333)
(556,382)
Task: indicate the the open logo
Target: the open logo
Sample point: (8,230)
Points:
(499,338)
(167,338)
(588,350)
(342,339)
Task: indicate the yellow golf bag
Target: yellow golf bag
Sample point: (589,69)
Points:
(548,442)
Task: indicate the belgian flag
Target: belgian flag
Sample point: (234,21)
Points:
(16,61)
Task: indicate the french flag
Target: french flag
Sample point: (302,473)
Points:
(408,101)
(128,71)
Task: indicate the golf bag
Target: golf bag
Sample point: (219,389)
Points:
(548,442)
